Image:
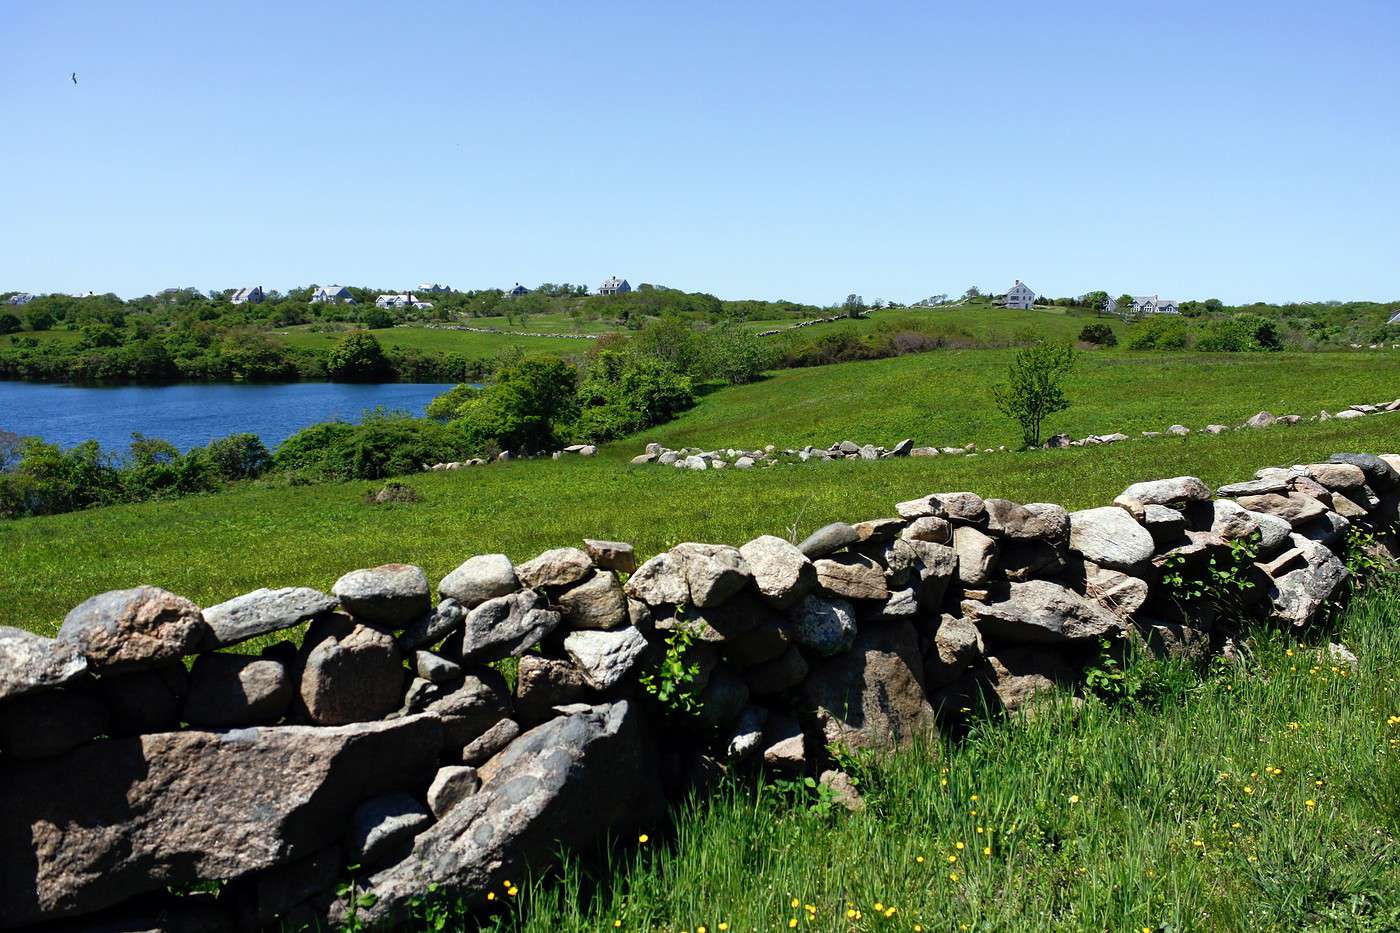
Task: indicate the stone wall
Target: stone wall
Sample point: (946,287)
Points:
(139,761)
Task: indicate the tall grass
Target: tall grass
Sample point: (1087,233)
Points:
(1261,793)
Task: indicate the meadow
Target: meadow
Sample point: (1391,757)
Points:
(212,547)
(435,340)
(1254,794)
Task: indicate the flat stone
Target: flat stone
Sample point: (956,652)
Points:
(507,626)
(1336,476)
(559,787)
(828,539)
(1215,428)
(383,825)
(43,725)
(1262,420)
(782,574)
(1164,523)
(490,743)
(432,627)
(559,567)
(114,819)
(977,555)
(596,603)
(823,626)
(262,611)
(1298,595)
(1110,537)
(1232,521)
(605,658)
(481,700)
(929,528)
(132,630)
(923,506)
(851,576)
(1041,611)
(784,746)
(1120,593)
(435,668)
(1037,521)
(30,663)
(238,690)
(478,579)
(879,529)
(1294,508)
(962,507)
(451,785)
(611,555)
(1255,487)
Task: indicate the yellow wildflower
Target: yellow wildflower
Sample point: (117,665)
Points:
(643,838)
(792,923)
(722,927)
(953,876)
(958,845)
(986,850)
(1248,789)
(1073,799)
(796,903)
(1309,803)
(919,859)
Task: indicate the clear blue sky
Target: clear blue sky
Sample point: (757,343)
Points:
(1235,148)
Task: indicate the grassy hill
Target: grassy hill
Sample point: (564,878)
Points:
(944,397)
(440,339)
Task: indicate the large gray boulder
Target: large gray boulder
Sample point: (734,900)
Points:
(1035,521)
(782,574)
(30,663)
(559,567)
(238,690)
(507,626)
(605,658)
(478,579)
(1298,595)
(480,701)
(132,630)
(352,673)
(390,595)
(1380,472)
(262,611)
(1174,491)
(1110,537)
(1041,611)
(823,626)
(558,787)
(873,695)
(713,572)
(596,603)
(660,581)
(432,627)
(114,819)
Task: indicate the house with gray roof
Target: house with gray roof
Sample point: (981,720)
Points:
(1019,296)
(1144,304)
(408,300)
(517,291)
(1394,318)
(612,285)
(435,288)
(23,298)
(332,295)
(252,295)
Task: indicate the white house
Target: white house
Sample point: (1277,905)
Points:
(332,294)
(252,295)
(1144,304)
(1020,296)
(517,291)
(402,301)
(435,288)
(614,286)
(23,298)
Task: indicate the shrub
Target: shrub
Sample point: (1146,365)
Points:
(734,355)
(1159,332)
(1099,334)
(9,323)
(1032,390)
(525,410)
(238,456)
(358,357)
(625,393)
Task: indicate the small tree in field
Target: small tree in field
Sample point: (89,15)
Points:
(1032,390)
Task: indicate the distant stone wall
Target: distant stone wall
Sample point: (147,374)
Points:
(387,741)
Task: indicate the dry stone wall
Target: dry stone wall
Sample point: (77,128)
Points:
(140,759)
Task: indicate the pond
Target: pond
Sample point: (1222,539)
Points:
(192,415)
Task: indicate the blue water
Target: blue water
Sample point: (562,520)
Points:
(192,415)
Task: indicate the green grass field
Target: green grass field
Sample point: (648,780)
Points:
(213,547)
(1258,794)
(437,340)
(943,398)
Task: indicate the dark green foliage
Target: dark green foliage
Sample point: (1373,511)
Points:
(358,357)
(9,323)
(1160,332)
(238,456)
(525,409)
(1099,334)
(1034,387)
(626,392)
(733,355)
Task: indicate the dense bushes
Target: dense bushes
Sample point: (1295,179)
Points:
(383,444)
(37,478)
(1240,333)
(1098,334)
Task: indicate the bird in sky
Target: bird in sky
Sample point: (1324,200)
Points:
(75,77)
